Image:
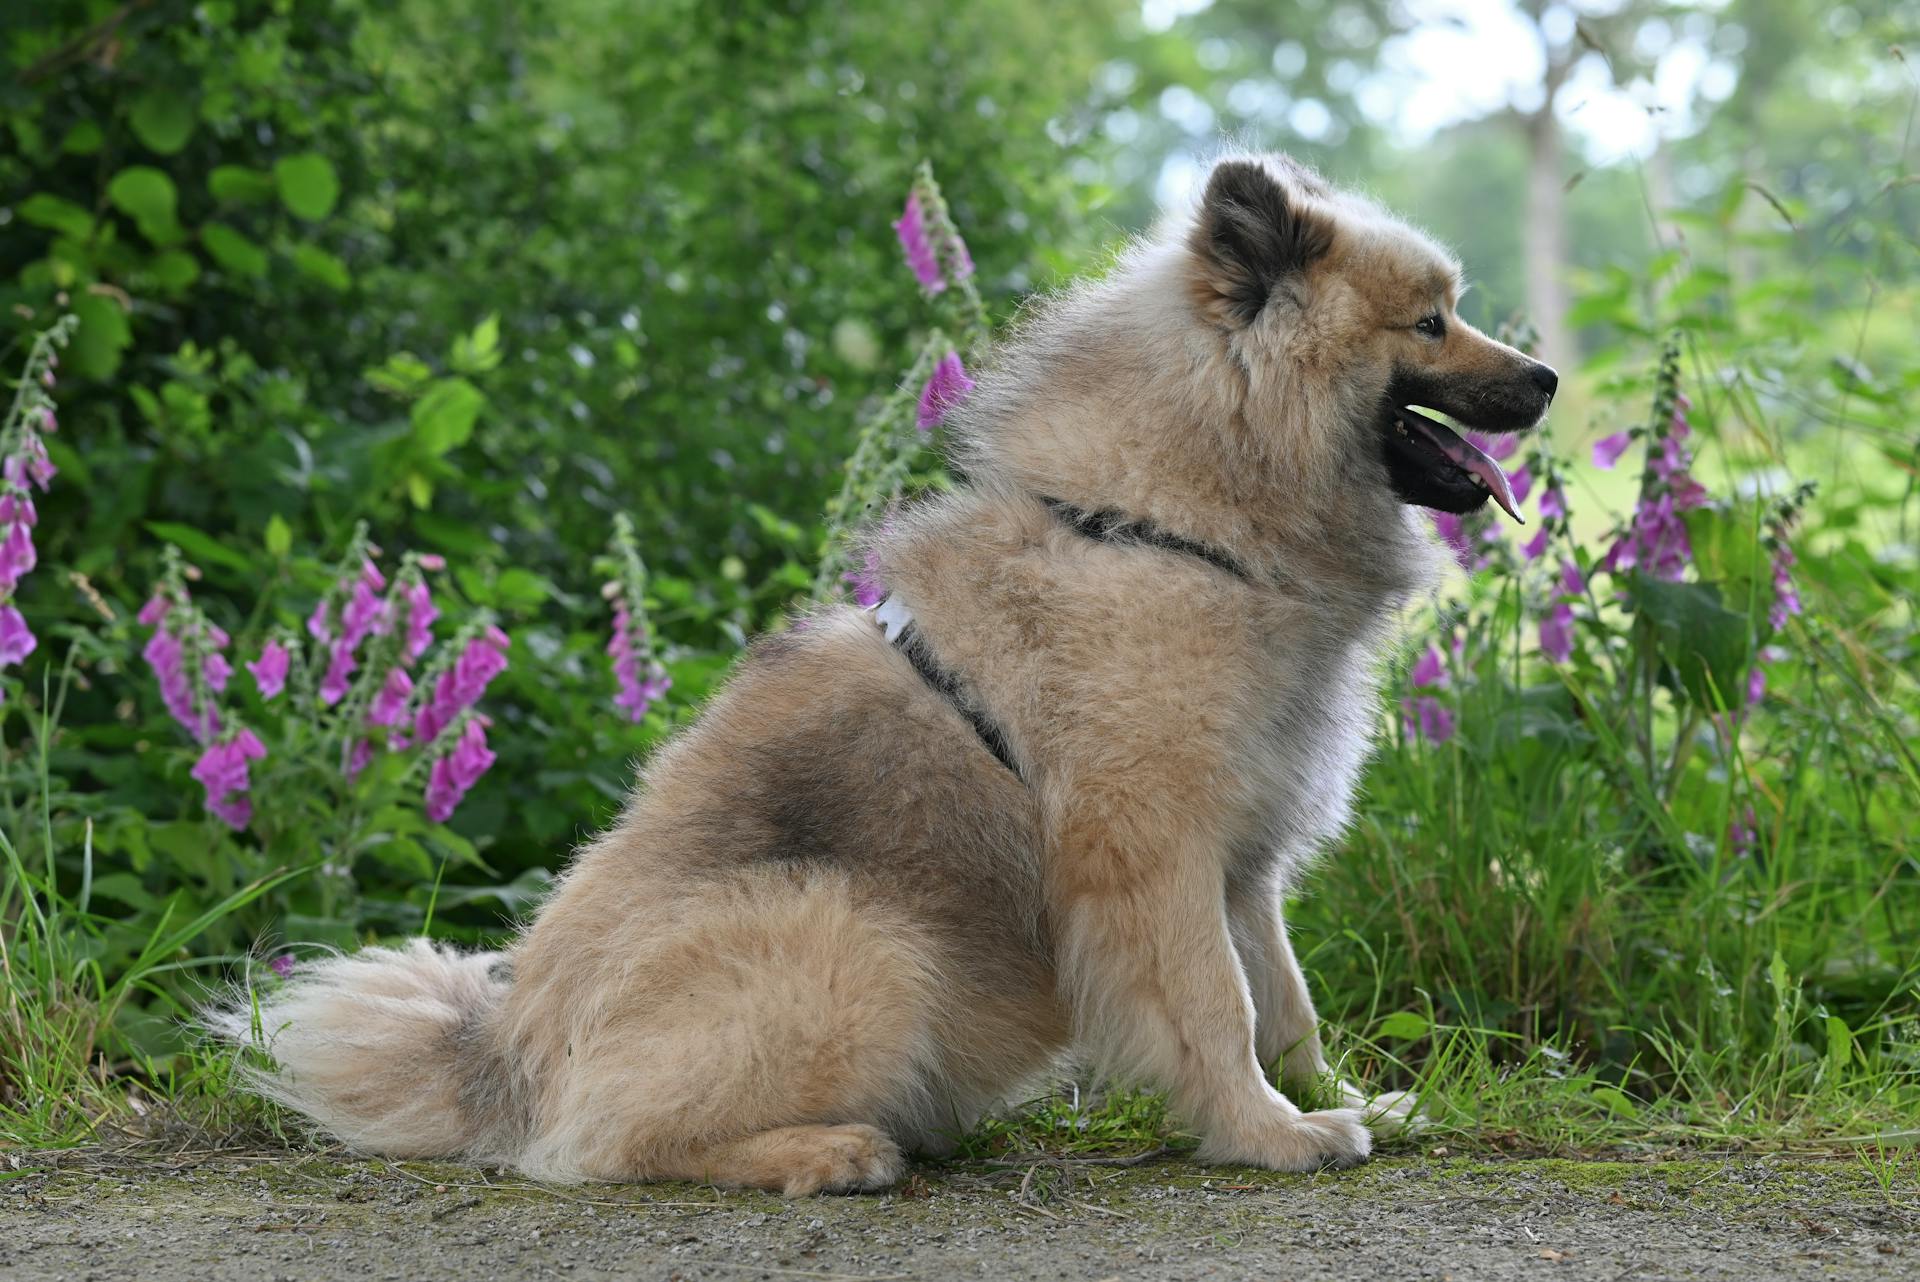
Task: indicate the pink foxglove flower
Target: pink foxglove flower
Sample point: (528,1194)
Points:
(1553,502)
(1608,449)
(222,771)
(16,638)
(461,685)
(1786,598)
(389,706)
(1534,548)
(282,965)
(1453,532)
(421,612)
(946,388)
(453,775)
(868,590)
(1429,670)
(1556,633)
(270,669)
(640,682)
(911,228)
(1425,717)
(1521,479)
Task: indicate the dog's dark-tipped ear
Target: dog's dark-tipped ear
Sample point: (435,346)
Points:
(1251,235)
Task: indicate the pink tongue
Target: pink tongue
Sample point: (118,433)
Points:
(1462,454)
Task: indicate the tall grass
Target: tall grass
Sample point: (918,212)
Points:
(66,1065)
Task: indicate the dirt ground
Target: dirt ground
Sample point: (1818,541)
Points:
(265,1217)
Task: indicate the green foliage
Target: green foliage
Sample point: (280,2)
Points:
(484,281)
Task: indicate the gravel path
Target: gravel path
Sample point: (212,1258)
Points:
(265,1217)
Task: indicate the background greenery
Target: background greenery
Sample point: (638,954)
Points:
(483,274)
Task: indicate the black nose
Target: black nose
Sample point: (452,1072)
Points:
(1545,379)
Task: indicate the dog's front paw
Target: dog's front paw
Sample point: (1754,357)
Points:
(1294,1141)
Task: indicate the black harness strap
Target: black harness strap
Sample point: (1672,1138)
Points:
(943,683)
(1105,526)
(1109,525)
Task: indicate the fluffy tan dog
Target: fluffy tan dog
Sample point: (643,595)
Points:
(1049,802)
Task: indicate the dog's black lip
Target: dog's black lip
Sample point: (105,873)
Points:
(1419,474)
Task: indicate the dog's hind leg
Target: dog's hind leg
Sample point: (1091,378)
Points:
(772,1032)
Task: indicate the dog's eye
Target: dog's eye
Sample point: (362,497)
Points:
(1432,326)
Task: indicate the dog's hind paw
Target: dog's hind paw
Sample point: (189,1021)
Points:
(1390,1113)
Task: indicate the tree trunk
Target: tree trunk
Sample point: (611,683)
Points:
(1546,239)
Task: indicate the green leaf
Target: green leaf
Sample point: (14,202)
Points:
(1404,1023)
(307,184)
(1839,1044)
(199,546)
(520,589)
(174,269)
(163,121)
(83,139)
(1618,1102)
(233,251)
(239,185)
(147,196)
(101,338)
(44,209)
(1707,644)
(317,263)
(444,417)
(279,537)
(478,352)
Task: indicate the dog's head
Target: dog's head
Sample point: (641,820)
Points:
(1342,318)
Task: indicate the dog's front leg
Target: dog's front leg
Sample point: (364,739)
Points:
(1287,1032)
(1148,968)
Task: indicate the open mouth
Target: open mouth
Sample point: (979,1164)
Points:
(1431,465)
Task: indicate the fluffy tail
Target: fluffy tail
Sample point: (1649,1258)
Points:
(388,1049)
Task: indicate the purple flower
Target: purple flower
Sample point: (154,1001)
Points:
(222,771)
(270,669)
(1572,582)
(421,612)
(17,556)
(454,774)
(1608,449)
(154,610)
(358,758)
(868,590)
(1521,480)
(317,626)
(1534,548)
(911,228)
(16,638)
(1786,598)
(1756,684)
(461,685)
(1453,532)
(638,690)
(1556,633)
(947,387)
(283,965)
(1553,502)
(389,706)
(341,665)
(1425,717)
(166,654)
(1429,670)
